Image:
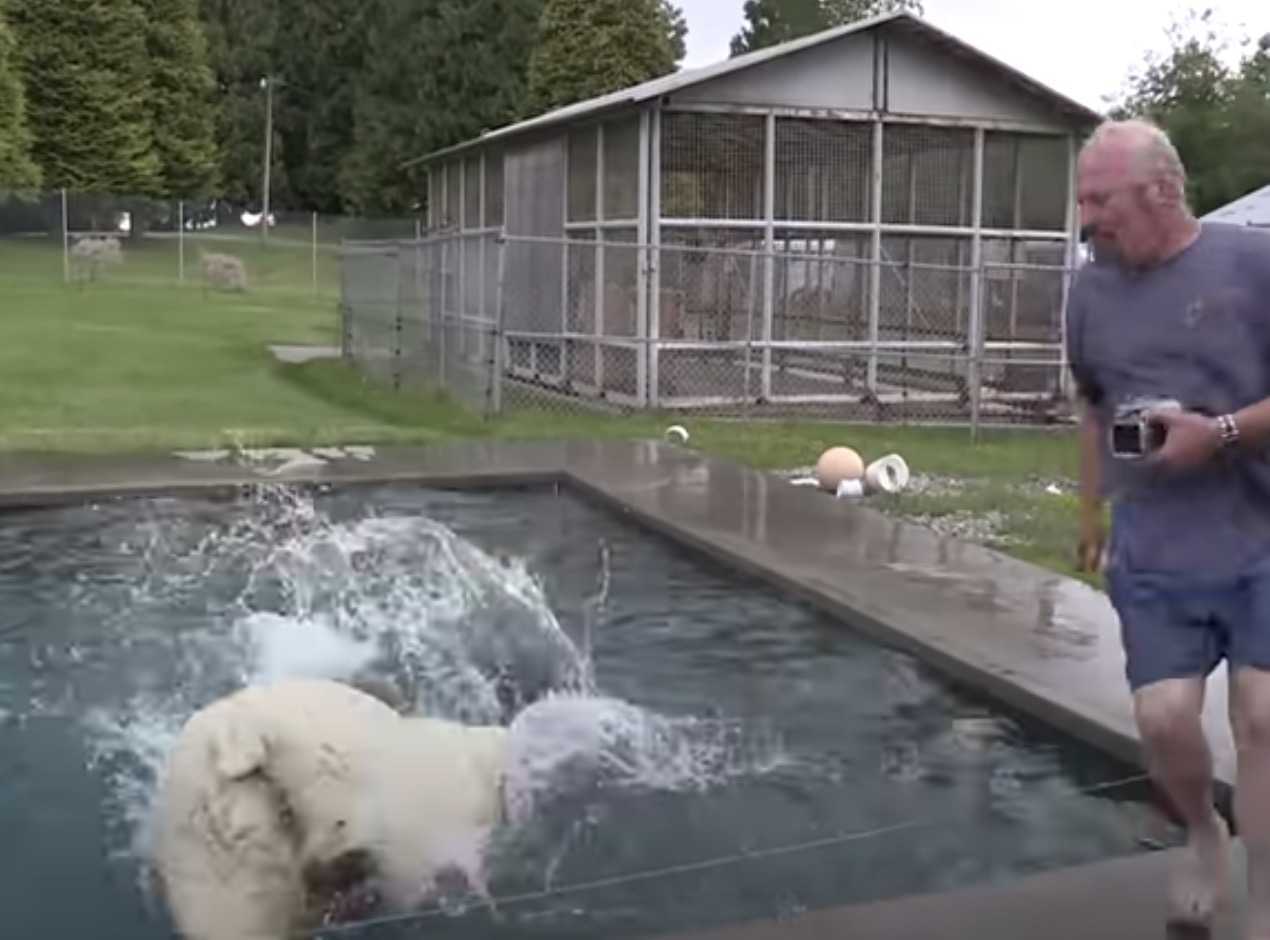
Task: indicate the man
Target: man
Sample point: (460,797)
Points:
(1172,308)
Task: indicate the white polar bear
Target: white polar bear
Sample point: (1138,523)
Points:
(278,796)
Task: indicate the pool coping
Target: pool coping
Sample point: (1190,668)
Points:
(1033,640)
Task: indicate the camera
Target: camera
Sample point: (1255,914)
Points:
(1133,434)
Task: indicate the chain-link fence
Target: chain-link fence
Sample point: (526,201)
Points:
(714,323)
(94,238)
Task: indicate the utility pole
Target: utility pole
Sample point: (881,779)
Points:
(267,81)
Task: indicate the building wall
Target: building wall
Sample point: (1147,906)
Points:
(921,80)
(834,75)
(534,188)
(914,79)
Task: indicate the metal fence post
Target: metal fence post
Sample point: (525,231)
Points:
(397,322)
(180,242)
(497,353)
(315,254)
(346,309)
(974,328)
(443,311)
(66,240)
(974,337)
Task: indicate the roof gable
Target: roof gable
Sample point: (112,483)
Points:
(687,78)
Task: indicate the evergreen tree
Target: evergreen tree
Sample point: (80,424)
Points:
(85,73)
(17,169)
(321,58)
(476,54)
(769,22)
(592,47)
(182,101)
(242,37)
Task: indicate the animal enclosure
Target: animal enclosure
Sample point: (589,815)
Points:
(878,217)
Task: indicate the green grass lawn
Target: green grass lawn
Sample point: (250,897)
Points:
(139,362)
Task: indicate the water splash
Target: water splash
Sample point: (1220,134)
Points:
(575,744)
(274,588)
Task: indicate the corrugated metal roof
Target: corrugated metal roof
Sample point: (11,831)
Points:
(677,81)
(1252,209)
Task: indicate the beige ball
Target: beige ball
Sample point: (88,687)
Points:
(838,464)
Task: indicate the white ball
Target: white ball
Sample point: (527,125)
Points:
(677,434)
(838,464)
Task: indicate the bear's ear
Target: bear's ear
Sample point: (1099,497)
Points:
(238,747)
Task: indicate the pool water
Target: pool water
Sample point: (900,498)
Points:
(740,724)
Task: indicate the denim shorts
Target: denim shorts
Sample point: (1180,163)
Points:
(1176,626)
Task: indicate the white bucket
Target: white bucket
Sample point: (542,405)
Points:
(887,474)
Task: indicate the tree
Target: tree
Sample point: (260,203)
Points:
(769,22)
(477,58)
(241,40)
(676,28)
(85,72)
(591,47)
(841,12)
(1217,117)
(17,169)
(182,102)
(320,58)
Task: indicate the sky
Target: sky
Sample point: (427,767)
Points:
(1085,49)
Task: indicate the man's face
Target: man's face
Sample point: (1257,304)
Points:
(1116,207)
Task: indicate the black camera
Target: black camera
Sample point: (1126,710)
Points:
(1133,434)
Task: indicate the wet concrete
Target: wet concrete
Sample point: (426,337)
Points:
(1121,899)
(1043,643)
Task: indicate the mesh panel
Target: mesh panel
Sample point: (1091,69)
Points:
(581,312)
(712,166)
(925,288)
(1025,181)
(582,169)
(453,200)
(927,175)
(493,188)
(472,192)
(370,285)
(704,375)
(821,286)
(621,169)
(436,196)
(621,296)
(708,294)
(823,170)
(473,282)
(1023,290)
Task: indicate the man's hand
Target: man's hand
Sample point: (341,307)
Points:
(1190,439)
(1093,539)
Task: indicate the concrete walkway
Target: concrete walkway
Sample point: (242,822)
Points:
(1123,899)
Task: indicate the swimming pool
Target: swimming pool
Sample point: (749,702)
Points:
(751,722)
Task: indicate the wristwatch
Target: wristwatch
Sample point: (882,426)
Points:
(1228,430)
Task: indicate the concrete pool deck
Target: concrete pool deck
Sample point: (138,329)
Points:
(1041,643)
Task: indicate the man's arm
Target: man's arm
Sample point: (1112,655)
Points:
(1092,532)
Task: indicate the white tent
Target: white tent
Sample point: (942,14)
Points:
(1252,209)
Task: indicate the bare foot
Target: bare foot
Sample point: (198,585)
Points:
(1201,880)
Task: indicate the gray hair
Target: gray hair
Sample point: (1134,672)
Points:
(1152,151)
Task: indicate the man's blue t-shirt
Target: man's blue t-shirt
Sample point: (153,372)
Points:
(1195,329)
